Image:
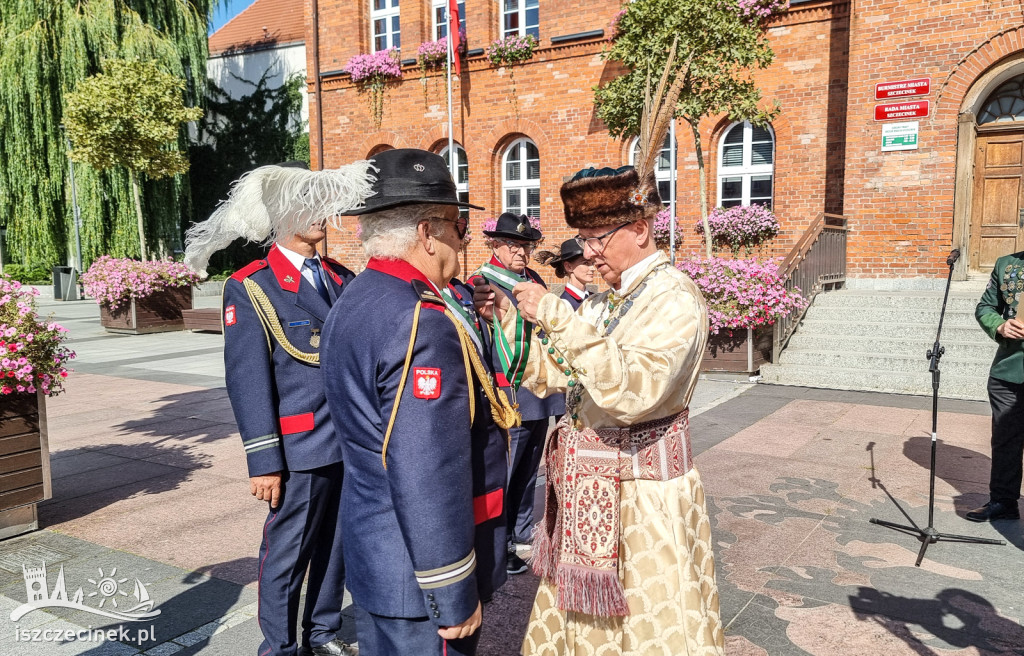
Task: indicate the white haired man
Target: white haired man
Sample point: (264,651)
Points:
(424,468)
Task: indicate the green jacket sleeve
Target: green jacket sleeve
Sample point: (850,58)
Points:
(992,305)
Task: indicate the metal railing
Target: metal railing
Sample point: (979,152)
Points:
(816,263)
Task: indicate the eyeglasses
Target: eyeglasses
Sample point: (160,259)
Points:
(461,224)
(516,245)
(597,244)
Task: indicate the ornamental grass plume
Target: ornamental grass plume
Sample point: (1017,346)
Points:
(32,354)
(742,293)
(116,281)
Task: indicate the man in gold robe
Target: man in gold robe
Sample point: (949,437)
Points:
(624,547)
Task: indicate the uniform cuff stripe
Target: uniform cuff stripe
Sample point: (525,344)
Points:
(436,578)
(261,445)
(261,438)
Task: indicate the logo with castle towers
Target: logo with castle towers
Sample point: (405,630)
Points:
(107,593)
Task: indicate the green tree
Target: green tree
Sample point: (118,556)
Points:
(235,136)
(720,44)
(46,48)
(129,116)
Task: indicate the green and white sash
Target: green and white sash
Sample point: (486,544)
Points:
(512,356)
(465,318)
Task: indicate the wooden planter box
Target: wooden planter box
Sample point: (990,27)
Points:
(157,313)
(743,352)
(24,462)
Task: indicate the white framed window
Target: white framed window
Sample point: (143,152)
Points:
(520,17)
(462,177)
(385,24)
(441,17)
(520,178)
(662,168)
(746,165)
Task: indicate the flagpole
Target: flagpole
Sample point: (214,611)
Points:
(453,158)
(672,193)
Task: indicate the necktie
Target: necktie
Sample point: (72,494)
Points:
(313,265)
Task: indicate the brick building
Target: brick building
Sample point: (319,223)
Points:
(957,185)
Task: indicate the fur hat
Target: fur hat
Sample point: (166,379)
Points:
(600,197)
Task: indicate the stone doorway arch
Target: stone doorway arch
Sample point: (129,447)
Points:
(988,208)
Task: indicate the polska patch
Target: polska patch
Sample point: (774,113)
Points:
(427,383)
(229,316)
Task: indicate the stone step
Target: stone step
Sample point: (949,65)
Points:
(885,362)
(956,386)
(890,314)
(854,327)
(898,300)
(976,349)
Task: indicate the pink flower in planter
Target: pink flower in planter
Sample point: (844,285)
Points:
(37,342)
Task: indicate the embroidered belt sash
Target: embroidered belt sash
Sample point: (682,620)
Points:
(577,541)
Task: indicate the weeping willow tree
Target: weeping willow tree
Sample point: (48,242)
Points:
(46,48)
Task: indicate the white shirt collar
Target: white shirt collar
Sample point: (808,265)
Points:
(630,275)
(582,293)
(297,260)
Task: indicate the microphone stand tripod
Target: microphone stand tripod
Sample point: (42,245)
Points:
(928,535)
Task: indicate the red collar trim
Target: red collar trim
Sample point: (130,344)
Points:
(399,269)
(287,275)
(573,294)
(496,262)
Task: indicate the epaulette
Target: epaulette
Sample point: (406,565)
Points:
(248,270)
(427,295)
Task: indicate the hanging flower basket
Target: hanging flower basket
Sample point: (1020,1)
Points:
(372,73)
(663,229)
(432,55)
(740,228)
(509,52)
(140,297)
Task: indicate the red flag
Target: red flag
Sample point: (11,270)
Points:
(454,33)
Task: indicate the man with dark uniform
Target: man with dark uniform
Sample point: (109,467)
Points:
(997,314)
(512,241)
(274,310)
(414,405)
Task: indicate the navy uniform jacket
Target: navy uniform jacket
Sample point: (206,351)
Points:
(424,536)
(278,401)
(531,407)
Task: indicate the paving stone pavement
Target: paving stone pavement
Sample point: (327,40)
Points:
(150,485)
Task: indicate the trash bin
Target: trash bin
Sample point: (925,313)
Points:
(65,283)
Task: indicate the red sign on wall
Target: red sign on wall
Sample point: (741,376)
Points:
(901,111)
(903,88)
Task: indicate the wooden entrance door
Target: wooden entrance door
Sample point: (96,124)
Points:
(997,218)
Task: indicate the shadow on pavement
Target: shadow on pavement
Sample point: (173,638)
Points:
(88,479)
(954,464)
(957,617)
(200,416)
(206,599)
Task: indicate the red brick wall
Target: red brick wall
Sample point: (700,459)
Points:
(827,145)
(900,204)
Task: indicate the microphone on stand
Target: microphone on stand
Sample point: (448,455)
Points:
(954,255)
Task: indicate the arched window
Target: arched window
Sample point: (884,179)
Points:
(441,17)
(746,156)
(462,179)
(662,169)
(520,178)
(379,148)
(1005,104)
(521,17)
(384,20)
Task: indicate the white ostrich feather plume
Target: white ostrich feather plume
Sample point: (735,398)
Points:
(274,202)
